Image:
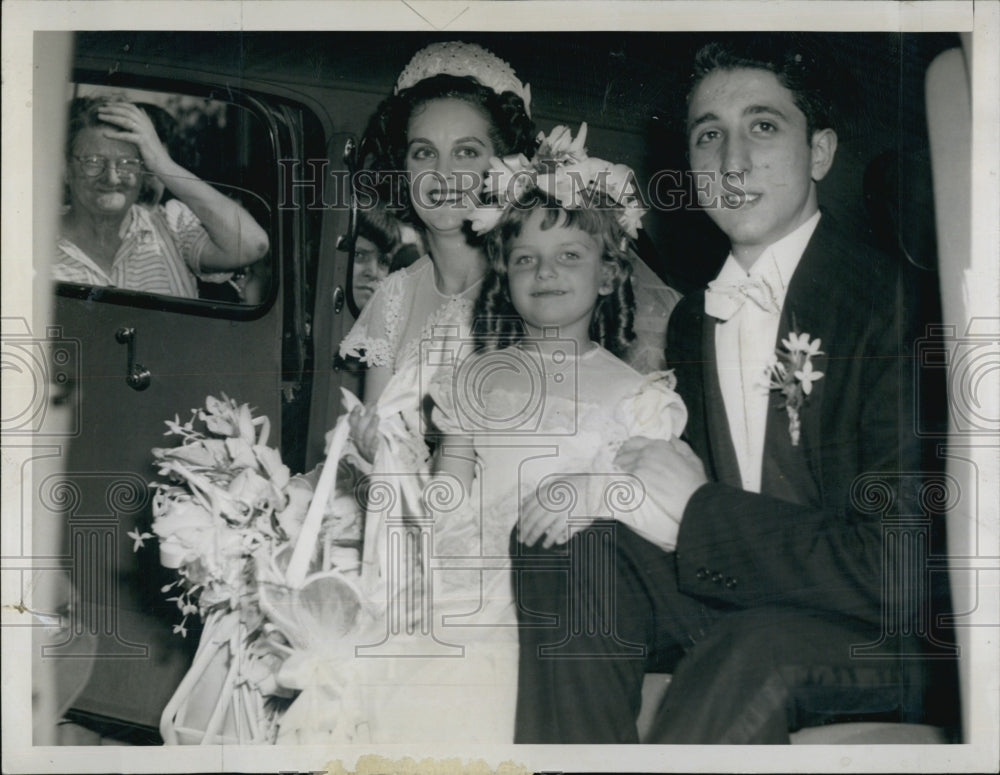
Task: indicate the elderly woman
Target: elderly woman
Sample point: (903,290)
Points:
(108,238)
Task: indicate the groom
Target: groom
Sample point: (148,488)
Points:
(764,595)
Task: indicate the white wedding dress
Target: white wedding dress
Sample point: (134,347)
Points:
(432,654)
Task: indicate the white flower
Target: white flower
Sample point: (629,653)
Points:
(560,146)
(630,219)
(591,171)
(806,376)
(509,178)
(799,343)
(204,453)
(485,218)
(619,182)
(253,491)
(138,538)
(270,462)
(219,416)
(560,185)
(176,517)
(791,372)
(241,452)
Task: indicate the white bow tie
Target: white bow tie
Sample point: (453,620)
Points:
(723,299)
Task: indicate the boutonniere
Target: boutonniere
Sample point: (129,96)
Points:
(790,370)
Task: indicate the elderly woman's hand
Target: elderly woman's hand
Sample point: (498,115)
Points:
(137,128)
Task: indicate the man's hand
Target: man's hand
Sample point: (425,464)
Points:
(669,470)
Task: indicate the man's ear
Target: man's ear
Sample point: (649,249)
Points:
(823,149)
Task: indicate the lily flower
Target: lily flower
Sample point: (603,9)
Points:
(508,178)
(560,146)
(485,219)
(630,219)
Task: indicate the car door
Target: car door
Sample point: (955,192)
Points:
(145,358)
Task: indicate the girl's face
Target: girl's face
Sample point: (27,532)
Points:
(555,276)
(448,153)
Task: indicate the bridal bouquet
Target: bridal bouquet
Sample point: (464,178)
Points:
(234,524)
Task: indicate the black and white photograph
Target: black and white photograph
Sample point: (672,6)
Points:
(500,386)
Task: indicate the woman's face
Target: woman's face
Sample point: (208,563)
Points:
(112,190)
(447,154)
(370,267)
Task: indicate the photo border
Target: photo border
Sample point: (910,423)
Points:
(21,19)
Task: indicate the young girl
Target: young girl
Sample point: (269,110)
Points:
(532,420)
(547,383)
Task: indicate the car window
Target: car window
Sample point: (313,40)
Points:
(132,236)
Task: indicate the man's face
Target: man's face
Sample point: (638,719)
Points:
(746,133)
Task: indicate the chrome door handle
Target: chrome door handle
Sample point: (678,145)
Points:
(137,376)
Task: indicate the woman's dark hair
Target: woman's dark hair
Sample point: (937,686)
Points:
(379,228)
(793,60)
(497,323)
(384,144)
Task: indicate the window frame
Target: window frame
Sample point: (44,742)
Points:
(263,107)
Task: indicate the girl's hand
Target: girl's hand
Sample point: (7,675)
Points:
(538,523)
(364,431)
(137,128)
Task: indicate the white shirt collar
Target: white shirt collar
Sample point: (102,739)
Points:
(779,260)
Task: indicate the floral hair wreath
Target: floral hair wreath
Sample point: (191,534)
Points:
(561,169)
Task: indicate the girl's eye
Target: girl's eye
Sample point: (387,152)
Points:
(522,260)
(467,153)
(570,255)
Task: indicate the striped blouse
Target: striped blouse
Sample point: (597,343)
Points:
(160,253)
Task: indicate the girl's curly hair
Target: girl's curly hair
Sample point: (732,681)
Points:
(383,147)
(497,323)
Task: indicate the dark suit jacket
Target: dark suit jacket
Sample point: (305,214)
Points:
(808,539)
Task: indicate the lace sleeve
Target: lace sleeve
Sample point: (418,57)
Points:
(654,410)
(373,338)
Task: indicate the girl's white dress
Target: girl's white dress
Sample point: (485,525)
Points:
(545,426)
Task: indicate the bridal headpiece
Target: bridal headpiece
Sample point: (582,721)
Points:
(464,60)
(561,169)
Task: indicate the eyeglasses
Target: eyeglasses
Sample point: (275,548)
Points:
(92,166)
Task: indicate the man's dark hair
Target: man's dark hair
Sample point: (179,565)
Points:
(790,58)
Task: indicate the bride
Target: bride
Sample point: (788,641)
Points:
(455,106)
